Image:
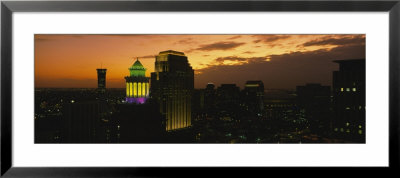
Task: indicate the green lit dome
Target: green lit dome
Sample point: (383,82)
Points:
(137,65)
(137,69)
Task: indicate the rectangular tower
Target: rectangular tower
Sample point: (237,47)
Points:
(101,79)
(349,99)
(172,86)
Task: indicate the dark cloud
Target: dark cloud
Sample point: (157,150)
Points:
(219,46)
(348,40)
(269,38)
(235,37)
(186,41)
(281,71)
(248,52)
(221,60)
(147,56)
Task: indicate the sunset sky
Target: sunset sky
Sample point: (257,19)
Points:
(280,61)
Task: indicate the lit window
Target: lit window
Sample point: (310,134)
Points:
(359,126)
(354,89)
(347,108)
(359,107)
(336,129)
(347,124)
(341,129)
(347,89)
(341,89)
(360,132)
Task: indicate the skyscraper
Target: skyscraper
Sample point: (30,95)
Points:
(253,97)
(172,86)
(101,79)
(349,99)
(137,84)
(314,100)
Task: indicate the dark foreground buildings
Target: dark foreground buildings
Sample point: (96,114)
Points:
(172,86)
(315,101)
(349,100)
(86,122)
(139,123)
(171,111)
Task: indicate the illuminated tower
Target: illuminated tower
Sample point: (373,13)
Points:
(137,84)
(172,86)
(101,79)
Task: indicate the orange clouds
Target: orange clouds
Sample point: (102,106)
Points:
(71,60)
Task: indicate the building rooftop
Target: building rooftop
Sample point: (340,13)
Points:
(171,52)
(137,65)
(349,60)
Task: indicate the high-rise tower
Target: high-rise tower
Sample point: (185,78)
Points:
(137,84)
(349,99)
(172,86)
(101,79)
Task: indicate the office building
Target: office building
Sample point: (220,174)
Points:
(172,84)
(349,99)
(101,80)
(253,97)
(315,101)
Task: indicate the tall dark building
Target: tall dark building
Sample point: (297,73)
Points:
(349,99)
(101,79)
(210,97)
(228,100)
(253,97)
(315,101)
(172,86)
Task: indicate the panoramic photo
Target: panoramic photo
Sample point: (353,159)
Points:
(210,89)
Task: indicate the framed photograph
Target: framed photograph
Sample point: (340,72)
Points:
(113,88)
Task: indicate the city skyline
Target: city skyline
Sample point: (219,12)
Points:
(280,61)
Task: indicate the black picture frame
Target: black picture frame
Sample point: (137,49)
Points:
(8,7)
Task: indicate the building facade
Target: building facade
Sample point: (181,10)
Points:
(137,84)
(253,97)
(101,79)
(314,100)
(349,100)
(172,86)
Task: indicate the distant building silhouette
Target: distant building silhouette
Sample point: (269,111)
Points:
(137,84)
(349,99)
(101,80)
(172,86)
(315,100)
(228,100)
(253,97)
(210,96)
